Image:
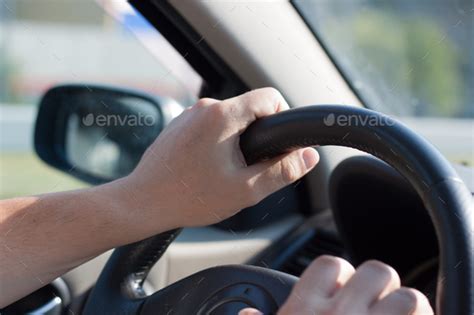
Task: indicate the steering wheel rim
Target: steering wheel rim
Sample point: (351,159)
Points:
(443,193)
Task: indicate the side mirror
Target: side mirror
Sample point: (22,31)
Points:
(99,133)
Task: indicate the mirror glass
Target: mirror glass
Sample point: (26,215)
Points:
(106,132)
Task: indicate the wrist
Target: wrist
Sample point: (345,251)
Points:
(135,214)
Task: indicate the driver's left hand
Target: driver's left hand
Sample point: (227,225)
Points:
(194,174)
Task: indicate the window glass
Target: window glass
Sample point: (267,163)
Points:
(49,42)
(413,59)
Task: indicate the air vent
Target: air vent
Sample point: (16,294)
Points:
(321,243)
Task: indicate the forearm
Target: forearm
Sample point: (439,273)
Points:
(44,236)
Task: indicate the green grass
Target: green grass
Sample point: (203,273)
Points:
(23,174)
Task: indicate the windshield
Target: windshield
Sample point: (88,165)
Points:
(413,59)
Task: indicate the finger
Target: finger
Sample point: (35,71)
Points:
(250,311)
(404,301)
(318,283)
(371,282)
(267,177)
(256,104)
(325,276)
(265,101)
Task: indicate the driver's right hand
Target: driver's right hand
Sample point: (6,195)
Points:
(331,286)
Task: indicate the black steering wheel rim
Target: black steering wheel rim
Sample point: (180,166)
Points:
(444,195)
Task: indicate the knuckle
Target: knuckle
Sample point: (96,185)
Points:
(288,171)
(203,102)
(251,193)
(269,94)
(216,112)
(380,269)
(272,93)
(274,96)
(327,261)
(409,297)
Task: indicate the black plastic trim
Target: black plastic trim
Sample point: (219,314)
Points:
(220,80)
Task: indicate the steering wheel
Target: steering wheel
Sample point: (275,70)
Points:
(227,289)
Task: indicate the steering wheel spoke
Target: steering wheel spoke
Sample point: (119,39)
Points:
(223,290)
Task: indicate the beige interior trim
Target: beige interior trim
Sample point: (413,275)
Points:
(267,43)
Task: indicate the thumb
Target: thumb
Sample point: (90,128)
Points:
(270,176)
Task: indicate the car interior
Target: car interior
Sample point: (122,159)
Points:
(380,191)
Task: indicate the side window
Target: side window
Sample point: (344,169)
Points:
(49,42)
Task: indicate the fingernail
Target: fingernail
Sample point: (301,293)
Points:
(310,158)
(250,311)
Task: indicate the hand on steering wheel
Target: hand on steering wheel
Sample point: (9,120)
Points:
(198,158)
(222,289)
(331,286)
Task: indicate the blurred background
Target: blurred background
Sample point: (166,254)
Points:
(49,42)
(411,59)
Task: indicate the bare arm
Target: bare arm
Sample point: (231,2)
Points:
(45,236)
(192,175)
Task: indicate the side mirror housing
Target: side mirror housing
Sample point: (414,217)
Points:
(99,133)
